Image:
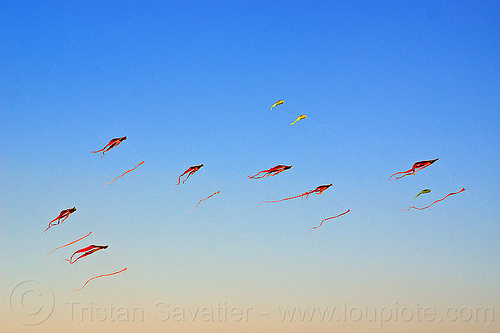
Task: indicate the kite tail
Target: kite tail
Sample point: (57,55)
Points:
(463,189)
(106,146)
(398,173)
(257,207)
(300,195)
(181,177)
(123,174)
(60,247)
(50,225)
(95,277)
(58,222)
(211,195)
(255,176)
(333,217)
(406,174)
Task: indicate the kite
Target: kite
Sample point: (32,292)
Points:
(87,251)
(463,189)
(191,170)
(416,167)
(60,247)
(62,215)
(277,103)
(271,172)
(123,174)
(299,118)
(423,192)
(317,190)
(95,277)
(113,143)
(211,195)
(333,217)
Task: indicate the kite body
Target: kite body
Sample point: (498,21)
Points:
(113,143)
(299,118)
(416,167)
(271,172)
(189,171)
(86,251)
(317,190)
(61,217)
(423,192)
(277,103)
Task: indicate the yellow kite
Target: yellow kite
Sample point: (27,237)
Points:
(423,192)
(299,118)
(277,103)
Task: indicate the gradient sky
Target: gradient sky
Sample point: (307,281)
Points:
(382,85)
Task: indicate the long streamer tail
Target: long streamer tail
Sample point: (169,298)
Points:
(333,217)
(463,189)
(95,277)
(123,174)
(297,196)
(211,195)
(60,247)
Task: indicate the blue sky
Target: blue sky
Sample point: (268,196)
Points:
(382,85)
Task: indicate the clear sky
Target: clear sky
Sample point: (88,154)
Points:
(383,86)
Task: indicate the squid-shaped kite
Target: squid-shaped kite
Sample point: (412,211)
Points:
(427,190)
(191,170)
(62,216)
(277,103)
(113,143)
(271,172)
(317,190)
(299,118)
(416,167)
(86,251)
